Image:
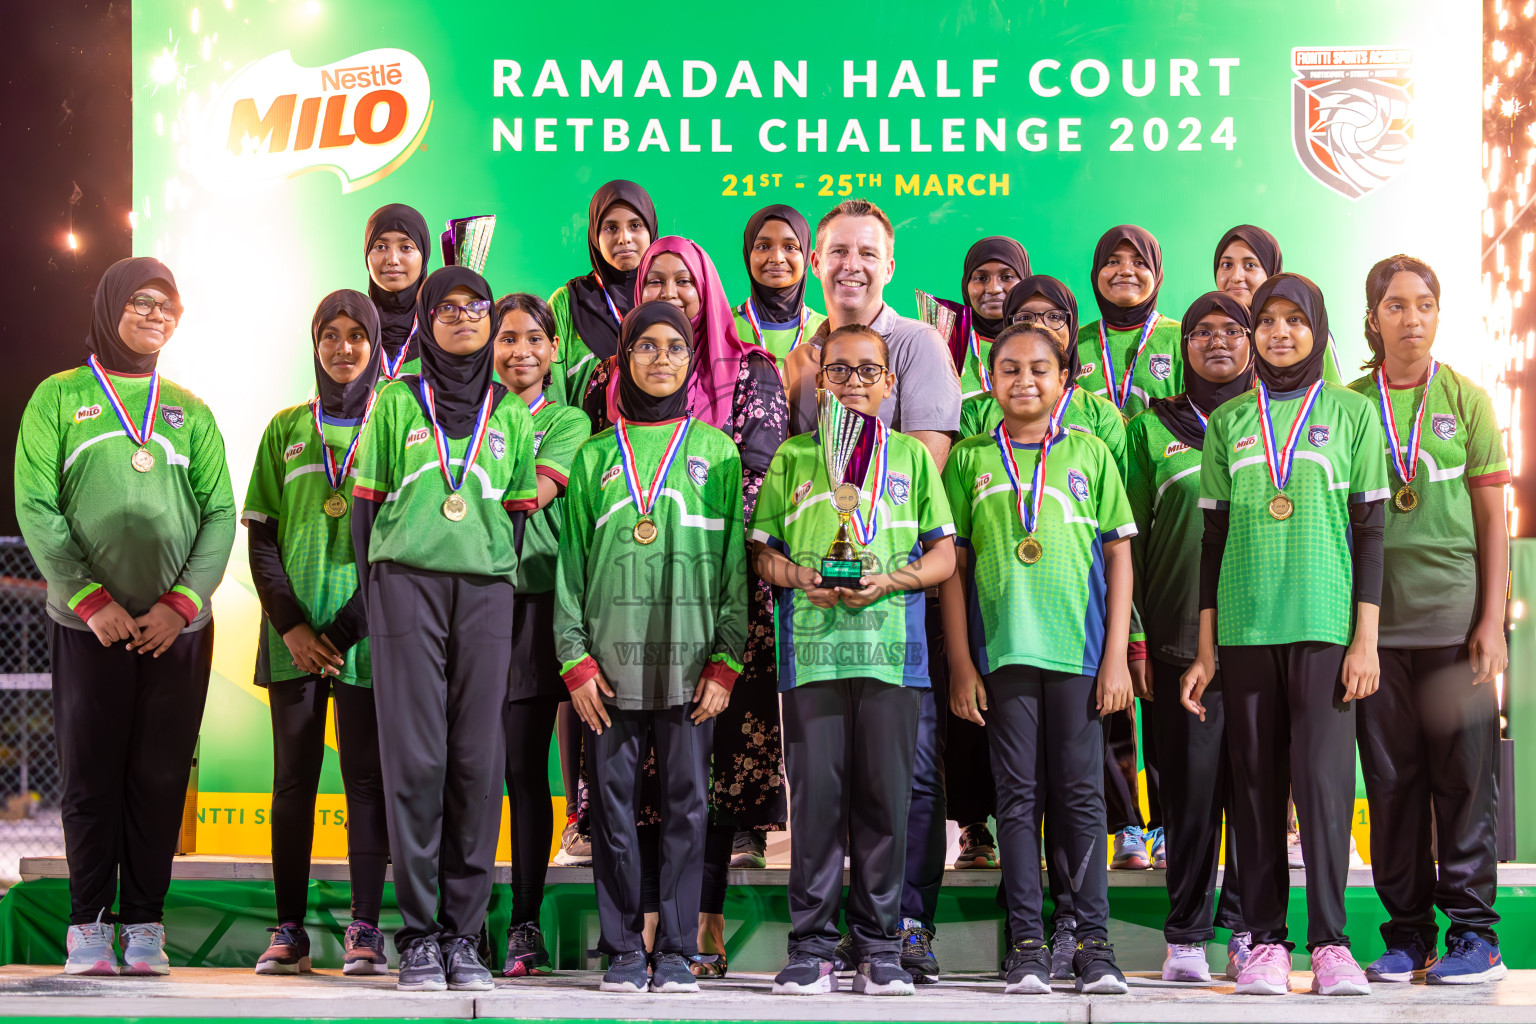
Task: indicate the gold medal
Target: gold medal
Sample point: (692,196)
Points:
(336,506)
(1029,550)
(142,460)
(1406,499)
(645,531)
(454,507)
(845,497)
(1281,507)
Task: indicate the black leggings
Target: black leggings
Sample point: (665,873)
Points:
(298,750)
(529,724)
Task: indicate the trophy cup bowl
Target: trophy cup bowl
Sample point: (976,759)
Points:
(840,428)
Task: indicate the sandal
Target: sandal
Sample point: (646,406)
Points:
(707,965)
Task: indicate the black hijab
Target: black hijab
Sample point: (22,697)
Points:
(397,310)
(634,404)
(1263,244)
(1176,412)
(1062,298)
(1309,297)
(589,310)
(1122,318)
(347,401)
(777,305)
(458,382)
(1003,250)
(118,285)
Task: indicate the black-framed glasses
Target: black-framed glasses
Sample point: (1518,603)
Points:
(1202,339)
(869,373)
(647,353)
(145,304)
(449,313)
(1055,319)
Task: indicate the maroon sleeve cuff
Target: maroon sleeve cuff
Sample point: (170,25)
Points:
(1491,479)
(553,474)
(1136,651)
(720,672)
(521,505)
(580,674)
(180,604)
(89,606)
(367,493)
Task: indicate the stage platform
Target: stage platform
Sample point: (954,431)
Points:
(40,992)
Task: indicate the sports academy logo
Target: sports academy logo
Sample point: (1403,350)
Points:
(1352,115)
(360,118)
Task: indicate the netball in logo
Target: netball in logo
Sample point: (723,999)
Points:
(1352,115)
(275,119)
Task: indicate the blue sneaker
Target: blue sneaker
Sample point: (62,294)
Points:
(1130,850)
(917,957)
(1400,962)
(1157,843)
(1469,959)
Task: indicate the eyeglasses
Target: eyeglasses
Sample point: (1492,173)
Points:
(144,304)
(647,353)
(869,373)
(1055,319)
(1202,339)
(448,313)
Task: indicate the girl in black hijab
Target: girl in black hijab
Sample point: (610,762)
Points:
(774,247)
(588,309)
(1245,257)
(993,267)
(1131,353)
(1186,413)
(396,268)
(119,284)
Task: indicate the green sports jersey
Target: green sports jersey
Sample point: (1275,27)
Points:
(657,617)
(1159,370)
(885,640)
(408,368)
(1163,486)
(1086,413)
(288,489)
(100,531)
(1291,580)
(1430,593)
(971,385)
(777,340)
(573,368)
(1052,614)
(558,430)
(397,465)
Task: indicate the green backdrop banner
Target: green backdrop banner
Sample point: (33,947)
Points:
(265,133)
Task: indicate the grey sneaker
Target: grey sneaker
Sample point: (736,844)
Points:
(144,950)
(670,973)
(465,971)
(89,948)
(626,973)
(421,967)
(1064,949)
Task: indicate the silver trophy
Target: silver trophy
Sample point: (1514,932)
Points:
(467,241)
(936,313)
(840,428)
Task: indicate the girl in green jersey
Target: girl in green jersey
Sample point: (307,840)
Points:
(774,247)
(1131,354)
(1246,257)
(398,250)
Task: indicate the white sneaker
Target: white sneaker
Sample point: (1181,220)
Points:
(89,949)
(144,950)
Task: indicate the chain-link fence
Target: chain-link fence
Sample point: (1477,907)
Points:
(30,786)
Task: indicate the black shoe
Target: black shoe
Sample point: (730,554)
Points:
(525,951)
(1027,968)
(749,849)
(421,967)
(462,964)
(805,975)
(917,957)
(882,975)
(977,848)
(1096,970)
(845,957)
(1063,949)
(670,973)
(626,973)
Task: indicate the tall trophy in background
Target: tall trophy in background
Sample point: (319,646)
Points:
(940,314)
(467,241)
(840,429)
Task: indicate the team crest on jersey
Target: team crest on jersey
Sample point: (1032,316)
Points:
(417,436)
(1352,115)
(1317,436)
(90,412)
(800,493)
(610,476)
(173,415)
(1078,427)
(981,483)
(1444,425)
(1247,442)
(538,439)
(1161,366)
(698,470)
(293,451)
(899,487)
(1078,485)
(1174,448)
(1087,368)
(497,441)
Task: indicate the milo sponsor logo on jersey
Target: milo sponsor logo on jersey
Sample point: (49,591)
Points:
(610,476)
(87,412)
(293,451)
(800,493)
(1174,448)
(981,483)
(1087,368)
(1247,442)
(417,436)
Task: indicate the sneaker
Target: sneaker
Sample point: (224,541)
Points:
(1355,860)
(1157,843)
(1186,962)
(1096,970)
(977,848)
(1469,959)
(575,849)
(1130,851)
(882,975)
(749,850)
(525,952)
(626,973)
(363,950)
(917,957)
(1335,973)
(1401,962)
(462,965)
(421,967)
(1293,857)
(670,973)
(1063,949)
(805,975)
(1267,972)
(1239,948)
(144,951)
(288,952)
(844,958)
(1027,968)
(89,949)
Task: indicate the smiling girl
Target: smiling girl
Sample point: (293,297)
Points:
(398,250)
(774,247)
(1130,354)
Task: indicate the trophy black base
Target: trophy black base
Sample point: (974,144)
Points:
(837,572)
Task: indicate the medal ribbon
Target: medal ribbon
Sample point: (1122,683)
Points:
(538,404)
(755,321)
(1205,421)
(140,437)
(335,474)
(391,371)
(476,439)
(981,364)
(618,317)
(1121,393)
(1279,460)
(879,471)
(1029,508)
(1407,468)
(645,498)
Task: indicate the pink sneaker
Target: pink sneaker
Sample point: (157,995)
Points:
(1335,973)
(1267,972)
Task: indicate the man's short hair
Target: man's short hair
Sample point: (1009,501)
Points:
(857,208)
